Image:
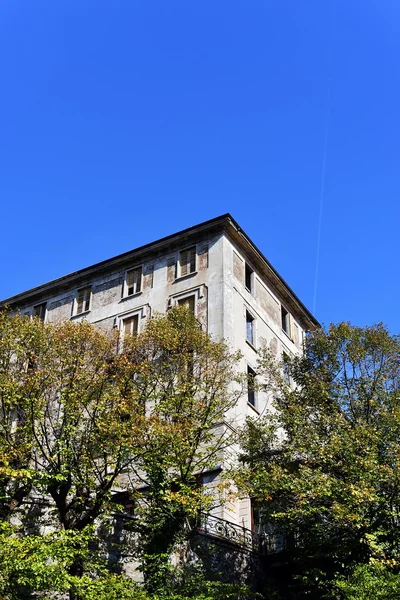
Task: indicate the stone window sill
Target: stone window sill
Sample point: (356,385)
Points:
(183,277)
(253,407)
(82,314)
(131,296)
(251,346)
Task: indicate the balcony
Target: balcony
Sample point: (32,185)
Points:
(244,539)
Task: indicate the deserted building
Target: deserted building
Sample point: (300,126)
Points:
(212,267)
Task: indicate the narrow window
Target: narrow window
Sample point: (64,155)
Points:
(286,369)
(249,274)
(285,316)
(256,524)
(188,301)
(133,282)
(251,385)
(83,300)
(39,311)
(187,261)
(130,326)
(249,328)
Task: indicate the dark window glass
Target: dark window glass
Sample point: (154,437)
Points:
(39,311)
(249,328)
(249,278)
(251,380)
(285,320)
(134,281)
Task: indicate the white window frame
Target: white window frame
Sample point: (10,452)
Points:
(128,318)
(142,312)
(86,310)
(197,292)
(125,286)
(192,272)
(253,328)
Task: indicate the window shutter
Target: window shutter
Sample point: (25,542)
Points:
(187,261)
(189,302)
(83,300)
(133,281)
(130,325)
(79,301)
(129,283)
(126,327)
(137,279)
(184,263)
(87,299)
(192,259)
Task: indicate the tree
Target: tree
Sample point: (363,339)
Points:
(183,380)
(63,440)
(20,340)
(34,565)
(324,466)
(81,419)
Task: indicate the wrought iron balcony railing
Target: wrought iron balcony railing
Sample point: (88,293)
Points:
(229,532)
(260,542)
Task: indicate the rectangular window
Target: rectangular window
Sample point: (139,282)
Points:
(249,328)
(249,278)
(130,326)
(187,261)
(256,524)
(83,300)
(133,281)
(189,302)
(251,386)
(286,369)
(39,311)
(285,316)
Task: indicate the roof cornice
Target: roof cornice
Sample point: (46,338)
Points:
(224,223)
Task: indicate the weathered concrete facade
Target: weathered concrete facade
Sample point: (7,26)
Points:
(214,268)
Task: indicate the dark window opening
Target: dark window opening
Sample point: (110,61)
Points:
(249,278)
(133,281)
(286,369)
(285,320)
(39,311)
(251,385)
(249,328)
(83,300)
(124,501)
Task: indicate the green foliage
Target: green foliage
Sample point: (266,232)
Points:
(42,563)
(182,378)
(369,582)
(79,419)
(191,581)
(324,468)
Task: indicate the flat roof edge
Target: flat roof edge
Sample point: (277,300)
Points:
(223,222)
(109,262)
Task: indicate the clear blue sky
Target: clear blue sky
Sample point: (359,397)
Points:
(125,121)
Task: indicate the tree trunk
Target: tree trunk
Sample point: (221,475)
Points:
(75,569)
